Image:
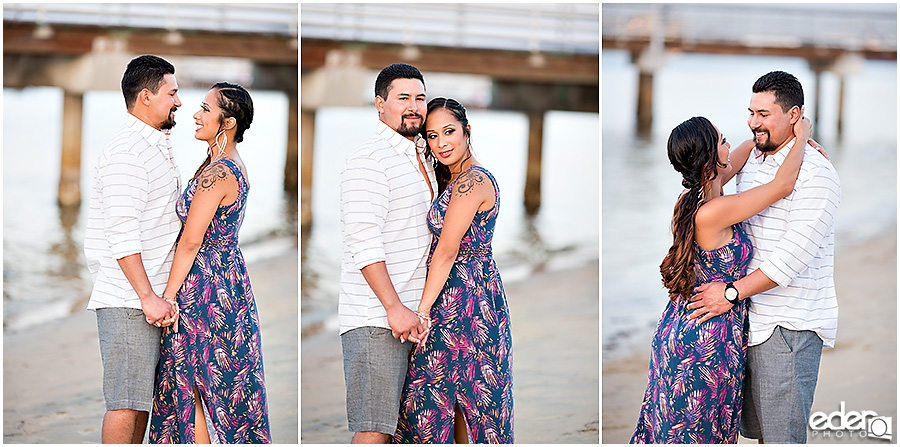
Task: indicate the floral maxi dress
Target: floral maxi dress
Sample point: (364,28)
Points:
(695,386)
(217,346)
(466,359)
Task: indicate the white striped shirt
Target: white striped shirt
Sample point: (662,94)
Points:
(384,204)
(132,210)
(793,243)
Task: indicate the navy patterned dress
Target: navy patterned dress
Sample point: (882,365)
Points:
(217,346)
(467,356)
(695,386)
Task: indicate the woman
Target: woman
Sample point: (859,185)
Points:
(460,375)
(695,385)
(210,386)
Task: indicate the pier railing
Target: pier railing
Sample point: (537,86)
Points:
(754,28)
(271,18)
(548,27)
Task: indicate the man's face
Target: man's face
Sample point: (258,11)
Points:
(165,102)
(404,107)
(770,125)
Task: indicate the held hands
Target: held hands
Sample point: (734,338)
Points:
(159,312)
(708,302)
(405,324)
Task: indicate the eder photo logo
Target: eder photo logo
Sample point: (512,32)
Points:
(854,425)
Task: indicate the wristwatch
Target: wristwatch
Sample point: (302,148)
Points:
(731,293)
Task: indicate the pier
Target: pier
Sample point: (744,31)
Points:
(829,39)
(539,57)
(83,47)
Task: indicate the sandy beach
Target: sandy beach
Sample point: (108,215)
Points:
(555,325)
(860,371)
(52,375)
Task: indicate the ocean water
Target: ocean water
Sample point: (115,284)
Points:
(640,187)
(564,233)
(44,274)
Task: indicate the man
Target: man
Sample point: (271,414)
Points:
(793,307)
(129,245)
(386,190)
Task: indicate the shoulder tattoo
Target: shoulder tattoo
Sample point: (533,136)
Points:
(469,181)
(211,175)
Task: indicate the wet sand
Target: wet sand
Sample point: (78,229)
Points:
(52,375)
(555,324)
(861,370)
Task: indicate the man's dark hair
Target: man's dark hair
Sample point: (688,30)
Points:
(787,89)
(395,71)
(144,72)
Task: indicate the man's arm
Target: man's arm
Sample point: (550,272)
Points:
(124,191)
(403,321)
(364,204)
(709,299)
(155,308)
(814,205)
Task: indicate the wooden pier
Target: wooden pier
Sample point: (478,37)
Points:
(829,39)
(530,72)
(79,58)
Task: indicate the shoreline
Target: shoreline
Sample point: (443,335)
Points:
(555,322)
(52,373)
(861,370)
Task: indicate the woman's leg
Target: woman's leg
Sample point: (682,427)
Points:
(201,432)
(460,434)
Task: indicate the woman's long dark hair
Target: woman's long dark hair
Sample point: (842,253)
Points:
(235,102)
(442,171)
(693,152)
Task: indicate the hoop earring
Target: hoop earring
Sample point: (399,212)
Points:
(222,146)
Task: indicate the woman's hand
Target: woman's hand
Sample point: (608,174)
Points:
(802,127)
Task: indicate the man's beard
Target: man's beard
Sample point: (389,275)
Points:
(169,122)
(768,146)
(408,130)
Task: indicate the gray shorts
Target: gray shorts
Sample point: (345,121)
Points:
(780,382)
(374,371)
(129,348)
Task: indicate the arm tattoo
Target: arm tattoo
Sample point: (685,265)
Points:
(209,177)
(467,181)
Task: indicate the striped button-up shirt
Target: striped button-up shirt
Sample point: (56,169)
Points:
(793,243)
(132,210)
(384,204)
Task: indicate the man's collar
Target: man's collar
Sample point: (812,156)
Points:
(400,143)
(152,135)
(778,156)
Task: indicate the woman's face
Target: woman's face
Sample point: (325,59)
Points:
(207,118)
(446,137)
(724,150)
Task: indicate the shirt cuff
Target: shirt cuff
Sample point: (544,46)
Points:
(125,248)
(368,256)
(777,270)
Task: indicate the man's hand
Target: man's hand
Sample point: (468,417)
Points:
(404,323)
(158,311)
(708,302)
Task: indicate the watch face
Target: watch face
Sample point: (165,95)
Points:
(731,293)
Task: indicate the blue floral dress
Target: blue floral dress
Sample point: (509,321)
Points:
(467,357)
(695,386)
(217,346)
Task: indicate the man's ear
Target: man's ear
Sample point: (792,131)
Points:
(379,104)
(144,97)
(795,114)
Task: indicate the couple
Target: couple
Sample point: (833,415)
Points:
(705,382)
(170,285)
(417,215)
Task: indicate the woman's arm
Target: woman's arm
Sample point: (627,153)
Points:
(213,186)
(471,191)
(738,156)
(725,211)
